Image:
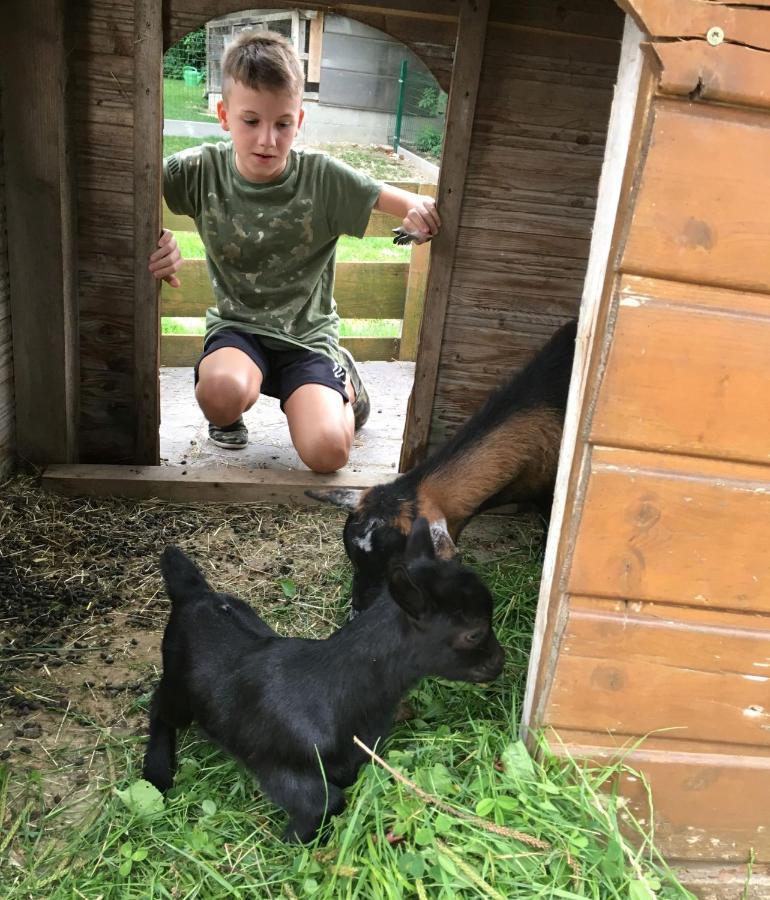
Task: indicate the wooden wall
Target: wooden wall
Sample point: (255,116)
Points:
(7,404)
(657,617)
(530,191)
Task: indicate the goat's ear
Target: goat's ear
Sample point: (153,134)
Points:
(419,543)
(347,498)
(406,593)
(183,578)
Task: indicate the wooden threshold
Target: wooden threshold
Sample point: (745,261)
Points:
(204,485)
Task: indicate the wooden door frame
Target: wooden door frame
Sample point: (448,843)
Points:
(625,141)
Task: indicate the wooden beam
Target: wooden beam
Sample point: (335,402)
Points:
(214,485)
(34,69)
(148,157)
(461,106)
(727,73)
(622,155)
(315,50)
(688,19)
(184,349)
(419,266)
(363,290)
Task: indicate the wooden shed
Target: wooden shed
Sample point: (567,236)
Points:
(605,157)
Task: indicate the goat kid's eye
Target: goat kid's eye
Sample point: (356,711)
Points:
(473,637)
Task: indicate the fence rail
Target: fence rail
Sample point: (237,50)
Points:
(365,290)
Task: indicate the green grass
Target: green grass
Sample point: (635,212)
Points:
(349,249)
(215,836)
(348,327)
(173,143)
(183,102)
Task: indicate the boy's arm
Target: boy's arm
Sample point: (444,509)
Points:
(167,259)
(418,213)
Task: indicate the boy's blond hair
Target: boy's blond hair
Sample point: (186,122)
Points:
(262,59)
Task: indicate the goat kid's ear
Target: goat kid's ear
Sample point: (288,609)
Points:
(419,543)
(347,498)
(406,593)
(181,575)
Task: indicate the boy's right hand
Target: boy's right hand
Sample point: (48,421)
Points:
(167,259)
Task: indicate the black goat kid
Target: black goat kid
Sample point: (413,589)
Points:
(288,708)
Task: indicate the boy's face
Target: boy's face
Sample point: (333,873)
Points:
(263,125)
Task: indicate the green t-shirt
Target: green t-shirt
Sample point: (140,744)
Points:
(270,246)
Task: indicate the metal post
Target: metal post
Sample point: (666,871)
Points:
(400,106)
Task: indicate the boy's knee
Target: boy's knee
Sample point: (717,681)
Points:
(222,396)
(328,451)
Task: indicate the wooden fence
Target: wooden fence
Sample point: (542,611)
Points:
(363,290)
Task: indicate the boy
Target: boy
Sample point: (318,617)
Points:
(269,217)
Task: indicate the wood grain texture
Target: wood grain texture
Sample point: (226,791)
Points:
(530,200)
(673,529)
(701,802)
(727,73)
(148,156)
(628,668)
(694,18)
(697,217)
(471,34)
(362,290)
(687,372)
(7,400)
(184,349)
(177,484)
(41,214)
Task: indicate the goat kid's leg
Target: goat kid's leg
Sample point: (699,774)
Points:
(160,756)
(308,799)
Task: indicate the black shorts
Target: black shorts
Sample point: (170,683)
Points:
(283,371)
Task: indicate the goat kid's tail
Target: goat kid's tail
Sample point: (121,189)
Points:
(184,580)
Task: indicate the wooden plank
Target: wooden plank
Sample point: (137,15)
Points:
(469,50)
(197,485)
(40,214)
(694,18)
(618,659)
(725,881)
(380,224)
(699,794)
(696,216)
(315,48)
(687,372)
(148,155)
(626,147)
(727,73)
(673,529)
(419,266)
(588,17)
(362,290)
(184,349)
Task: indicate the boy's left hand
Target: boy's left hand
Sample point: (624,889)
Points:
(422,222)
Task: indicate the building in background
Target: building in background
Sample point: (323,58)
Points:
(352,74)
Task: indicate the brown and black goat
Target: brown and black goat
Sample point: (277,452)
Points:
(507,452)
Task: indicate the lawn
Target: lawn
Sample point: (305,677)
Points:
(462,812)
(188,103)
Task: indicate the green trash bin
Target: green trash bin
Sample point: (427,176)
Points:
(191,76)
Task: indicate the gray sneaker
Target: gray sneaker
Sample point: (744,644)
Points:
(361,406)
(231,437)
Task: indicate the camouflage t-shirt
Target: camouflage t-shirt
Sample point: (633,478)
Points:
(270,246)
